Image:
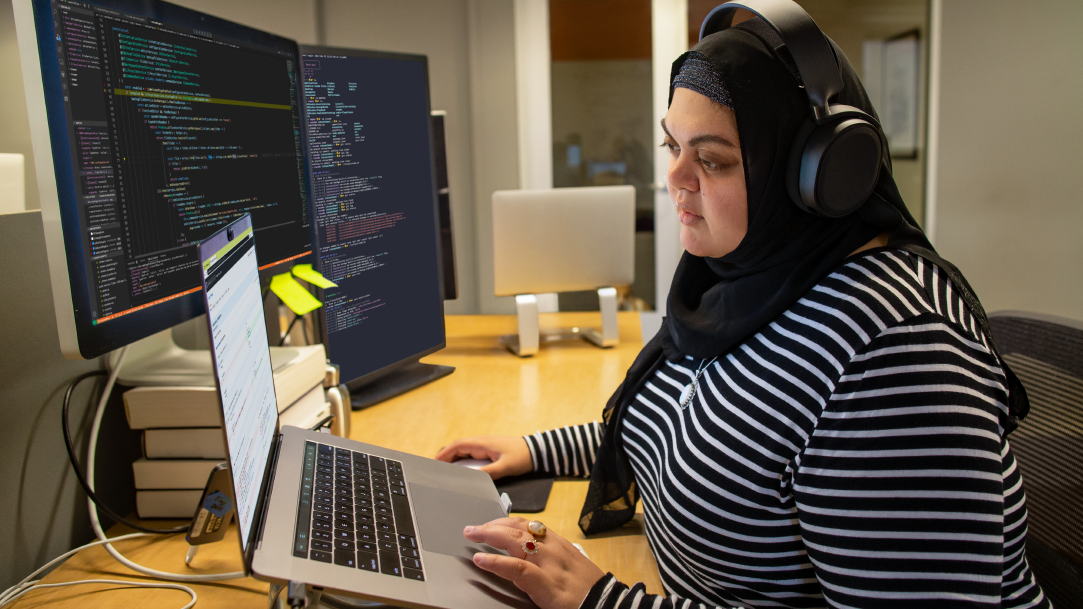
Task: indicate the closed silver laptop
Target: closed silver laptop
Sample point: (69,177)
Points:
(342,515)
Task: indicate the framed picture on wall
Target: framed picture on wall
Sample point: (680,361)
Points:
(892,77)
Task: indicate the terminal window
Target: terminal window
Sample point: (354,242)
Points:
(374,206)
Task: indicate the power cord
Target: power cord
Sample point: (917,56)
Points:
(65,424)
(96,524)
(29,583)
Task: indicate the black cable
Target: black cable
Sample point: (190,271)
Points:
(290,327)
(78,468)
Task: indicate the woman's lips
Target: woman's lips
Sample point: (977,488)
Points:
(686,216)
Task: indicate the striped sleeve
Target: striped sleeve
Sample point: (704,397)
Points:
(567,451)
(903,486)
(608,593)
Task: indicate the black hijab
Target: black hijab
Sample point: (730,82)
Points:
(715,304)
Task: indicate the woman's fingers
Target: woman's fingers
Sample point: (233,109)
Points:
(526,576)
(466,448)
(503,536)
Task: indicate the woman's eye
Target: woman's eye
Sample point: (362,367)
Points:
(671,147)
(708,164)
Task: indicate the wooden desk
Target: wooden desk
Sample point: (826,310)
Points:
(491,392)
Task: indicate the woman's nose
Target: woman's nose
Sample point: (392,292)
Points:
(681,175)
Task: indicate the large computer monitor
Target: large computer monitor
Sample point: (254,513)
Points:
(154,125)
(374,201)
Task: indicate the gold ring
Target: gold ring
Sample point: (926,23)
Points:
(530,547)
(537,528)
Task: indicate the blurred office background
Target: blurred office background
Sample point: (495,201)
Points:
(569,92)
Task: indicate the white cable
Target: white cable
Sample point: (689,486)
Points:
(36,585)
(61,558)
(96,523)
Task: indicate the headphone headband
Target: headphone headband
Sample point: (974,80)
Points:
(811,52)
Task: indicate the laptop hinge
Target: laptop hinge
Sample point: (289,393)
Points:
(270,487)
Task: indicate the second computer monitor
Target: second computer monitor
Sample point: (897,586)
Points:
(375,213)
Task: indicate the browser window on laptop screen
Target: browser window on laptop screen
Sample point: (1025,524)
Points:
(242,360)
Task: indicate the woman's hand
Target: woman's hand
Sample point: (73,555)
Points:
(558,576)
(509,455)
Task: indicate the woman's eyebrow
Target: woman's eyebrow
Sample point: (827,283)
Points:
(708,138)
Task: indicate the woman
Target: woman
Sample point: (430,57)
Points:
(821,420)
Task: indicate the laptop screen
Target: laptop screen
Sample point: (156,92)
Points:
(242,360)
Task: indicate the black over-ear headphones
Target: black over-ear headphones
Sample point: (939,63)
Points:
(836,156)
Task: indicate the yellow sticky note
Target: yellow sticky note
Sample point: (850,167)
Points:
(293,294)
(311,275)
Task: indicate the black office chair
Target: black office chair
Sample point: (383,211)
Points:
(1046,353)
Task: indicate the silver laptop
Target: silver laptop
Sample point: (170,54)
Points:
(348,517)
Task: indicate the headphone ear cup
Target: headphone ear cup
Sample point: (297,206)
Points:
(793,165)
(834,167)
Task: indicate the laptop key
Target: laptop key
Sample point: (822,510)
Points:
(407,541)
(325,449)
(411,563)
(369,537)
(320,555)
(364,546)
(322,516)
(387,546)
(345,558)
(321,545)
(338,534)
(409,552)
(389,564)
(367,561)
(403,518)
(324,535)
(398,490)
(413,574)
(321,525)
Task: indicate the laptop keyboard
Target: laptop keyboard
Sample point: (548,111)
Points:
(354,512)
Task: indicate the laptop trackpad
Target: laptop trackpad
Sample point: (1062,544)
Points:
(442,515)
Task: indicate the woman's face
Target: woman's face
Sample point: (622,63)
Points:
(706,177)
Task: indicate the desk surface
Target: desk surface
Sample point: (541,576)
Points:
(491,392)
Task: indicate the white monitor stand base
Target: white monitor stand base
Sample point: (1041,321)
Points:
(529,338)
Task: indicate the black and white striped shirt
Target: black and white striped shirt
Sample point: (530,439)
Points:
(848,455)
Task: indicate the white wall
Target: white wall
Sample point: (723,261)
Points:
(1009,210)
(14,124)
(294,19)
(495,130)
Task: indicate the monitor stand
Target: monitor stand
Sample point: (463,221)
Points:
(158,361)
(385,384)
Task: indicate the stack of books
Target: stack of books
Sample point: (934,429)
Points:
(183,438)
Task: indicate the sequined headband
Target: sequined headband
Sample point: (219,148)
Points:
(697,75)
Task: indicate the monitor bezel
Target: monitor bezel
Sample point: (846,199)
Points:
(355,383)
(79,337)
